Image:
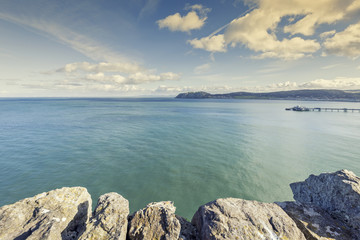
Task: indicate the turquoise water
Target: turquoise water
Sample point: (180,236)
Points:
(187,151)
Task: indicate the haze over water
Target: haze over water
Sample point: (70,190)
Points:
(187,151)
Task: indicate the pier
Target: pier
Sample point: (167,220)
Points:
(318,109)
(335,109)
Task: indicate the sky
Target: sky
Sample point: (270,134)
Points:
(118,48)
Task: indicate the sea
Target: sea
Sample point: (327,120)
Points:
(187,151)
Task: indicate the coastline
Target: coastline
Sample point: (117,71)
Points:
(325,206)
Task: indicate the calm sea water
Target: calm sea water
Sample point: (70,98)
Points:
(187,151)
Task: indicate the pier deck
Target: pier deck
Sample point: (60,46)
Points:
(335,109)
(318,109)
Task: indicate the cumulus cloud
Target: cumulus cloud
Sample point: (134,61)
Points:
(345,43)
(195,19)
(214,43)
(259,28)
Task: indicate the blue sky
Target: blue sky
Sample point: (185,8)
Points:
(121,48)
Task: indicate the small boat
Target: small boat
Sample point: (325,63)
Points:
(298,109)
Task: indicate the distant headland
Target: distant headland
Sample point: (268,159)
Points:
(310,95)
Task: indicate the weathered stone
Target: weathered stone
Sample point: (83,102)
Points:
(188,231)
(338,193)
(232,218)
(109,219)
(58,214)
(155,221)
(316,223)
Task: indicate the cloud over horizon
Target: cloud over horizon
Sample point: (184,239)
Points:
(115,73)
(341,83)
(110,67)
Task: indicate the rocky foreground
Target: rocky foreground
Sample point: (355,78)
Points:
(326,207)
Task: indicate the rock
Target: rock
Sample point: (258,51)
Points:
(58,214)
(338,193)
(232,218)
(155,221)
(316,223)
(109,219)
(188,231)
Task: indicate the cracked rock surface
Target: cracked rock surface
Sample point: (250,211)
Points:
(337,193)
(58,214)
(158,221)
(109,219)
(316,223)
(232,218)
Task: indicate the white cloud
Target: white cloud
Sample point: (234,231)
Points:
(256,31)
(169,76)
(101,67)
(214,43)
(343,83)
(331,66)
(108,63)
(186,23)
(345,43)
(327,34)
(281,86)
(258,28)
(202,68)
(101,77)
(98,88)
(134,79)
(203,11)
(167,90)
(337,83)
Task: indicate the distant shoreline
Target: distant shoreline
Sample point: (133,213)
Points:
(295,95)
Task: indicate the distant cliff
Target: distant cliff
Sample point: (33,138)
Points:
(323,95)
(325,207)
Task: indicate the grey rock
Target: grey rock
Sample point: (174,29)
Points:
(338,193)
(109,219)
(232,218)
(58,214)
(188,231)
(156,221)
(316,223)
